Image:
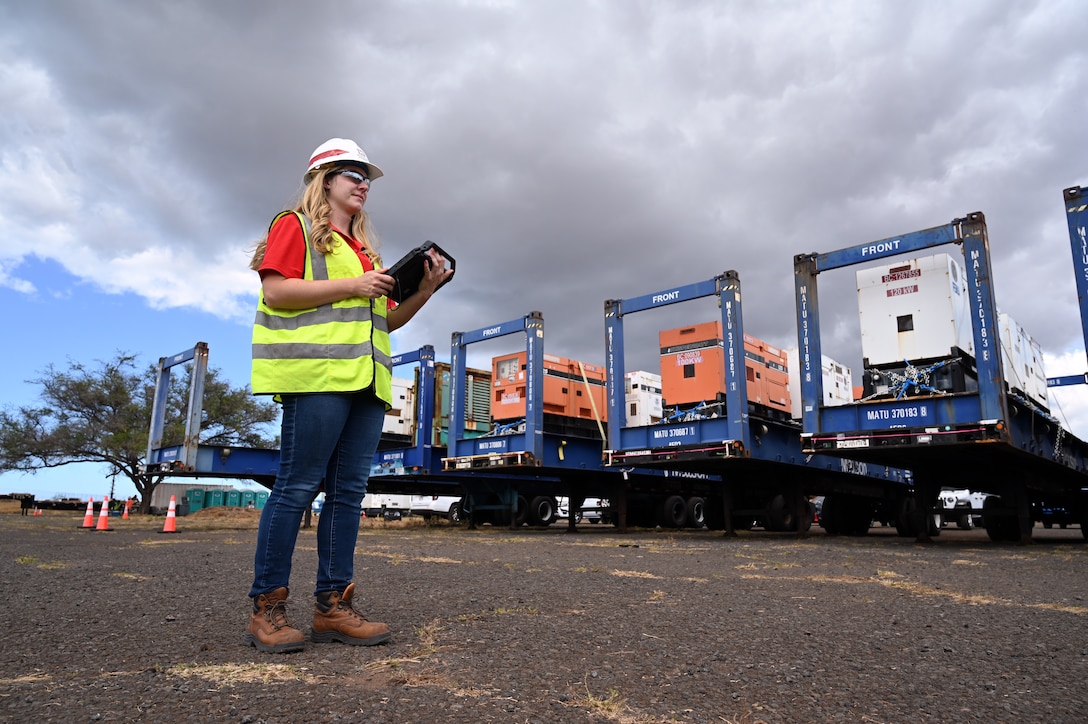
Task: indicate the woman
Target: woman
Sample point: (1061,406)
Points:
(321,344)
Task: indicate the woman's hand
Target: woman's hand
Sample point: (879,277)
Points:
(374,284)
(436,273)
(283,293)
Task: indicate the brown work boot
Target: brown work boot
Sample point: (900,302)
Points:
(336,620)
(268,628)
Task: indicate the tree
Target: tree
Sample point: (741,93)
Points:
(102,415)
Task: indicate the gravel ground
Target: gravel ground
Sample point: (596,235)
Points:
(546,626)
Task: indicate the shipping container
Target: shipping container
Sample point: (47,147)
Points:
(571,388)
(693,369)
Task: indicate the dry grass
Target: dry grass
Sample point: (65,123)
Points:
(244,673)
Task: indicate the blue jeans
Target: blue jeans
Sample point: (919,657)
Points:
(330,437)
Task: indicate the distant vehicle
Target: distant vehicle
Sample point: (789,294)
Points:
(962,507)
(445,506)
(1051,514)
(389,507)
(593,510)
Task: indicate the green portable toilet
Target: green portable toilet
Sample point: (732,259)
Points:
(249,498)
(262,498)
(196,499)
(213,498)
(234,498)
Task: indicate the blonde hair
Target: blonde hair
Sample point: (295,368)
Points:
(313,203)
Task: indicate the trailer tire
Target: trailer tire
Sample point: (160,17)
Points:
(714,513)
(673,512)
(854,515)
(829,515)
(696,510)
(780,514)
(521,511)
(1000,527)
(543,511)
(907,523)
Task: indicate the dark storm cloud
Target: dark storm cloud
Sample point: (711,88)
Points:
(569,152)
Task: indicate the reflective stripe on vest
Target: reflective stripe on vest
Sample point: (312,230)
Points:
(338,347)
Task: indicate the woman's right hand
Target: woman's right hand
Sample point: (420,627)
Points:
(374,284)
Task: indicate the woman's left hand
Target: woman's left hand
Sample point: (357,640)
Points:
(436,273)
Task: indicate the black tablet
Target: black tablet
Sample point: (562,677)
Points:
(408,272)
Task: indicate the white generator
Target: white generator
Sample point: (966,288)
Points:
(1022,360)
(838,382)
(400,420)
(642,395)
(918,312)
(914,310)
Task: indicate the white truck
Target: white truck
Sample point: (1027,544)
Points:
(445,506)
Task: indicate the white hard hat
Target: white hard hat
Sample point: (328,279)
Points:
(339,152)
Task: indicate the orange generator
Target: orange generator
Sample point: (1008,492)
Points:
(693,368)
(566,392)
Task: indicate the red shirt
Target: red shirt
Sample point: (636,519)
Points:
(285,252)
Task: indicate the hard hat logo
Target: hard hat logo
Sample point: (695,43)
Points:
(340,152)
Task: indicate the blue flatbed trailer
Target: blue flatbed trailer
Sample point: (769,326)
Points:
(758,471)
(988,441)
(522,468)
(417,461)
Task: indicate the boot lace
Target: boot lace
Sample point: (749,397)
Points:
(277,615)
(349,609)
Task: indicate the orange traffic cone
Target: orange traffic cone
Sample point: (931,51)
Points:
(37,511)
(128,504)
(104,515)
(88,519)
(171,524)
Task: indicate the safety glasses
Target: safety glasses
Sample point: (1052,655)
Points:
(354,176)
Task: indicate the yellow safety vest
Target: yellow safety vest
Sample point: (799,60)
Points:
(338,347)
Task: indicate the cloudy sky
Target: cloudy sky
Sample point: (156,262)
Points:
(564,152)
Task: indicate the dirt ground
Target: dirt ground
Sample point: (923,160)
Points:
(546,626)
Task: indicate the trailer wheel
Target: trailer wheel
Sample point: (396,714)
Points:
(906,522)
(1001,527)
(542,511)
(521,512)
(673,512)
(714,513)
(780,515)
(851,515)
(829,515)
(810,515)
(696,512)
